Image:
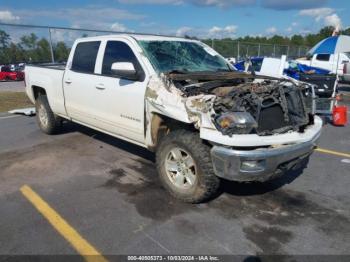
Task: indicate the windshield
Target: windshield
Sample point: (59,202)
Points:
(5,69)
(167,56)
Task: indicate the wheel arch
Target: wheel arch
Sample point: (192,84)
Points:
(160,125)
(38,90)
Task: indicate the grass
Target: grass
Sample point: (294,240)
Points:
(13,100)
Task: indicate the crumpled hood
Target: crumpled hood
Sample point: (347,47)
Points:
(202,97)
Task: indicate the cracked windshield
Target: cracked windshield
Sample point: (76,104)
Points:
(167,56)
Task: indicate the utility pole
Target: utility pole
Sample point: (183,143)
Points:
(237,51)
(51,47)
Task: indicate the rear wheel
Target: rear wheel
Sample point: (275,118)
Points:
(48,122)
(185,168)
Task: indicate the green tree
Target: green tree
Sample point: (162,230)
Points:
(16,53)
(346,31)
(4,39)
(61,52)
(326,32)
(29,45)
(43,50)
(297,40)
(29,41)
(4,43)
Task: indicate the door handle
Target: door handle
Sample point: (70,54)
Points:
(68,81)
(100,86)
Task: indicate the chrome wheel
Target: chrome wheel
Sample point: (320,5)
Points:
(43,116)
(181,168)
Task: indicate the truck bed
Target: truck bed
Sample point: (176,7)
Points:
(50,78)
(57,66)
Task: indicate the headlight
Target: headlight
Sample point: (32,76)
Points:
(235,122)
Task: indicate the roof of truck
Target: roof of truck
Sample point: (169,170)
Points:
(139,37)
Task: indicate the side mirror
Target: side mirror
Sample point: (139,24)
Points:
(125,70)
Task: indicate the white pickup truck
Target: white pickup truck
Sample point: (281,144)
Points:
(335,63)
(181,99)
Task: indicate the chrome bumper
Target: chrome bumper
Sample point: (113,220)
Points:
(259,164)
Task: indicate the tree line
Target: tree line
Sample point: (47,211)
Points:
(32,49)
(308,40)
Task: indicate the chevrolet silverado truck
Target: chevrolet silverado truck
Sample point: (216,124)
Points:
(181,99)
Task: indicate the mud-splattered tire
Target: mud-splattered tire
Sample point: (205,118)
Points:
(47,121)
(185,168)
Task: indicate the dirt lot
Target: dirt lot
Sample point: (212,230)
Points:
(108,191)
(13,100)
(12,96)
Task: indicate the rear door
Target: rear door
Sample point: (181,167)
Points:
(325,61)
(80,81)
(119,103)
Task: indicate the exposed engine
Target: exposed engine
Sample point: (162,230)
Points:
(244,106)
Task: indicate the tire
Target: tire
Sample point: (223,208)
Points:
(191,181)
(47,121)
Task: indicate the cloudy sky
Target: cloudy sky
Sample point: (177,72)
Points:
(202,18)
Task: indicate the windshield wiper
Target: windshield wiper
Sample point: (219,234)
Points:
(177,71)
(223,70)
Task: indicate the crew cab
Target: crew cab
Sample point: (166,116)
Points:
(335,63)
(7,74)
(181,99)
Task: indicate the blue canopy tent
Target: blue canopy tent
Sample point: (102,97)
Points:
(332,45)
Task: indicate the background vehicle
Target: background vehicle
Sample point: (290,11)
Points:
(181,99)
(334,63)
(346,73)
(6,74)
(323,79)
(332,53)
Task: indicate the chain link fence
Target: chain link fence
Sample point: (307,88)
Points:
(39,44)
(240,50)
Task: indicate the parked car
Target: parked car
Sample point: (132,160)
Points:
(7,75)
(323,79)
(345,77)
(255,64)
(333,54)
(334,63)
(182,100)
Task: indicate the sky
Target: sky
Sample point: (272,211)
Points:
(200,18)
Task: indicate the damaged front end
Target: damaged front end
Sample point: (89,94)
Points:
(245,104)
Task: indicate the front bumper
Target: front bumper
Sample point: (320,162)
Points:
(260,164)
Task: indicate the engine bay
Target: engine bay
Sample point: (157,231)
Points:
(248,104)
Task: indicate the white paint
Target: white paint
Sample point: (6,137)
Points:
(121,107)
(345,160)
(30,111)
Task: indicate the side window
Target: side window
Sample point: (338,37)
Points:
(84,58)
(323,57)
(117,51)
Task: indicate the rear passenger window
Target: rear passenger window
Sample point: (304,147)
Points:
(84,58)
(117,51)
(323,57)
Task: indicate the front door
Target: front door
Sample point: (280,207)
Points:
(119,103)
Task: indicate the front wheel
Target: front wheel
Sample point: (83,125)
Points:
(185,167)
